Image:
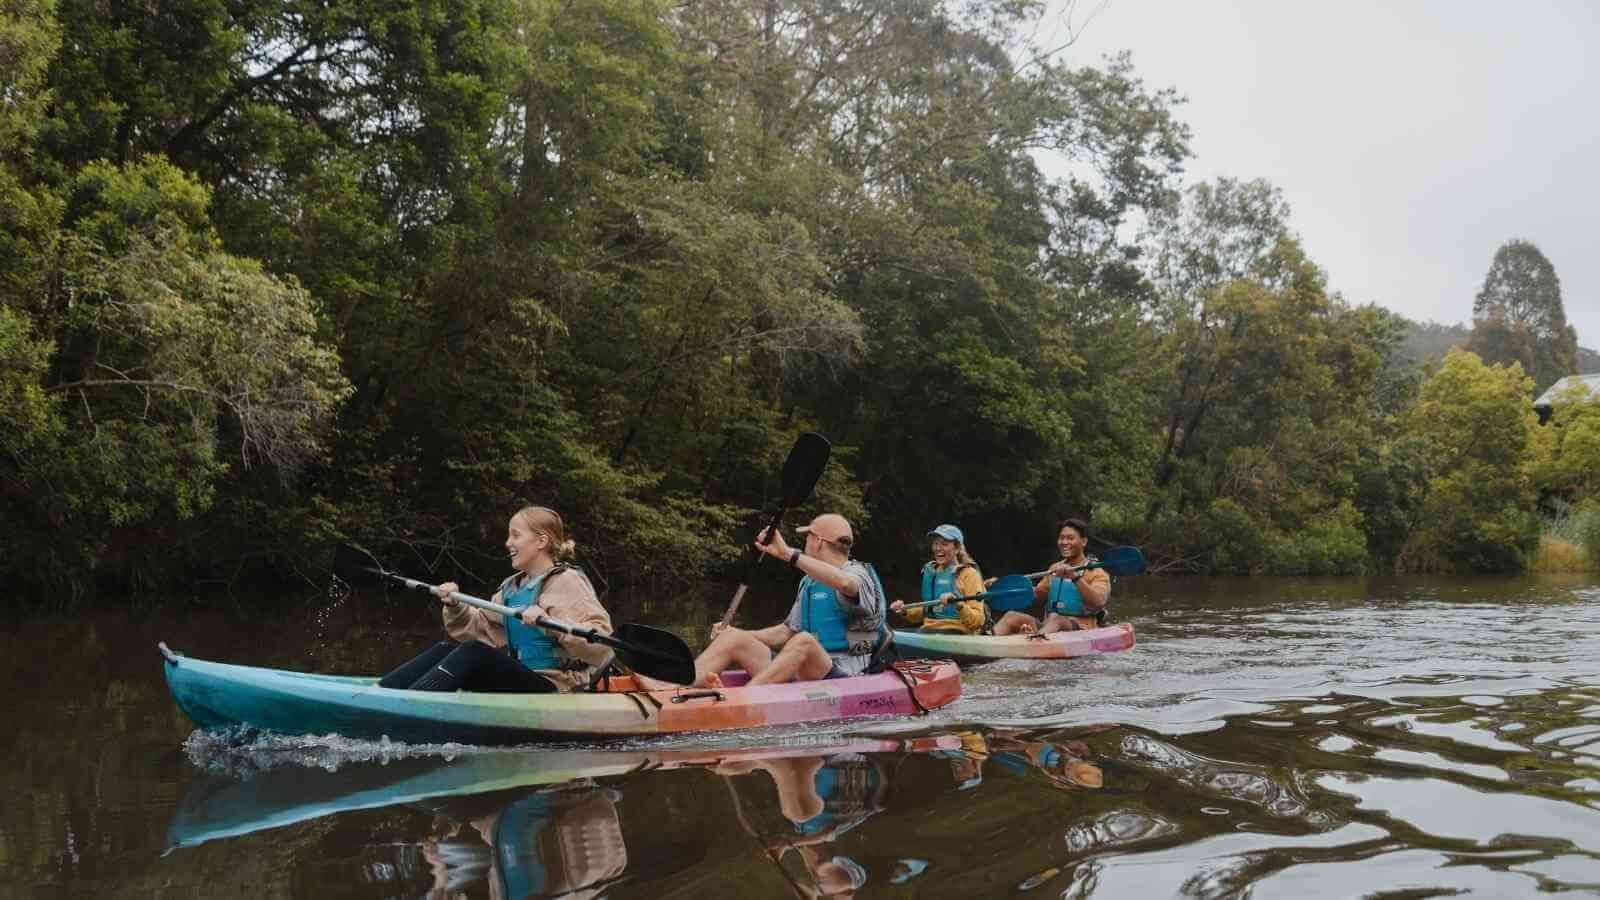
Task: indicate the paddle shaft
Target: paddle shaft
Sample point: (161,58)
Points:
(738,596)
(588,634)
(983,596)
(1122,560)
(1035,576)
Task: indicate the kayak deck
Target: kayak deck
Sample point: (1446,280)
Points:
(980,648)
(218,695)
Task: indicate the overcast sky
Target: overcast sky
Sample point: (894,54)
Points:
(1411,139)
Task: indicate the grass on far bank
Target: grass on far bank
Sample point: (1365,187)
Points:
(1570,543)
(1557,555)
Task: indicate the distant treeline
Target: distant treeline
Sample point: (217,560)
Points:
(1427,341)
(276,274)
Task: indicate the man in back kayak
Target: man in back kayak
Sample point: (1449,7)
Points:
(835,628)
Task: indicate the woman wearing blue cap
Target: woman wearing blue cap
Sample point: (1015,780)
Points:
(949,576)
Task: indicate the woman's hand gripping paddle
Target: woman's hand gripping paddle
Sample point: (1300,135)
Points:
(648,651)
(807,458)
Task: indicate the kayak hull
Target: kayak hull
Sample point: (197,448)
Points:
(979,648)
(218,695)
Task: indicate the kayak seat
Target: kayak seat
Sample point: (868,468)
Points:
(600,679)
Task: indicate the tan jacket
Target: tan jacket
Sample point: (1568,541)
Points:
(567,596)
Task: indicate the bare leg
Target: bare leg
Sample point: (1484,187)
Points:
(734,648)
(801,658)
(1016,623)
(796,780)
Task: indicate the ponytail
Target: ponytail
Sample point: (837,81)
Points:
(547,520)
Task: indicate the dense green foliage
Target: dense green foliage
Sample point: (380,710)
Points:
(1519,316)
(278,274)
(1473,422)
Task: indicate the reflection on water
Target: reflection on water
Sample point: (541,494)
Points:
(1267,738)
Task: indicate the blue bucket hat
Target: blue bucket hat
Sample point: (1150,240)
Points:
(949,533)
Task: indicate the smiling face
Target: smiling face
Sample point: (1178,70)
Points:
(944,552)
(1071,543)
(525,545)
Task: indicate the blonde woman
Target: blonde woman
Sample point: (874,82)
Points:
(951,574)
(488,652)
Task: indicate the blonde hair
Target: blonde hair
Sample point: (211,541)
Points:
(546,520)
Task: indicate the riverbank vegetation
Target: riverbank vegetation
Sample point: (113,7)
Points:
(277,274)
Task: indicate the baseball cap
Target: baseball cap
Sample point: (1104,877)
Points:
(831,527)
(949,533)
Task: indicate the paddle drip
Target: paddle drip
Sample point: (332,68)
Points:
(337,593)
(338,589)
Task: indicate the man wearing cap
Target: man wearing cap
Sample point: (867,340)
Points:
(949,576)
(834,629)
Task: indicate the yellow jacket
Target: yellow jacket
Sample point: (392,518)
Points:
(969,581)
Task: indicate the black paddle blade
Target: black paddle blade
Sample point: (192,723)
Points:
(807,458)
(654,653)
(356,565)
(1123,561)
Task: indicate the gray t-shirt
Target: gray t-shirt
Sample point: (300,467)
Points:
(863,617)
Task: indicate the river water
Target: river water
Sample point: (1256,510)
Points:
(1399,737)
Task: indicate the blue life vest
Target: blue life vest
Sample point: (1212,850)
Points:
(532,646)
(826,618)
(935,584)
(518,849)
(848,786)
(1064,598)
(1017,763)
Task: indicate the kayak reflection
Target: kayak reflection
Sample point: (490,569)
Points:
(238,797)
(832,818)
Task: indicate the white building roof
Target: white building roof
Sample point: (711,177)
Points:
(1591,382)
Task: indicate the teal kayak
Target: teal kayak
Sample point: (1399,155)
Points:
(981,648)
(218,695)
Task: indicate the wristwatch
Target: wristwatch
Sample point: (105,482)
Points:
(794,558)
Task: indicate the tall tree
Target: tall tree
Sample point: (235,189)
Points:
(1472,425)
(1269,397)
(1518,316)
